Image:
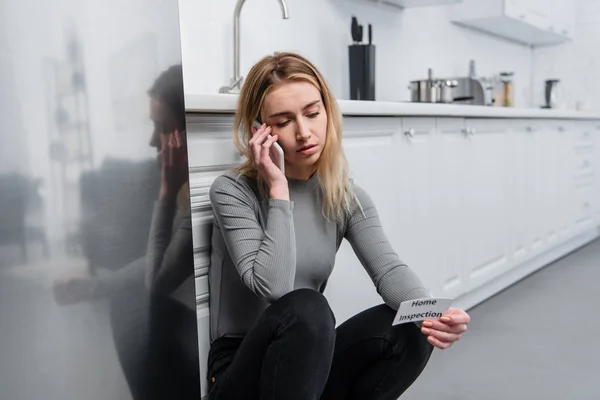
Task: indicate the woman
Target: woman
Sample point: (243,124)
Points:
(274,243)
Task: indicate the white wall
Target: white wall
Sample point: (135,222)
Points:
(576,64)
(408,42)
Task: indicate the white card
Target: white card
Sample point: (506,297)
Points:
(421,309)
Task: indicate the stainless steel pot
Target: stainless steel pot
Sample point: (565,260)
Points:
(432,91)
(447,91)
(423,91)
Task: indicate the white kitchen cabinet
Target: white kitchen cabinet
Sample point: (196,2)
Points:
(485,209)
(539,192)
(530,22)
(415,3)
(418,227)
(449,173)
(583,200)
(562,17)
(550,200)
(563,164)
(369,145)
(523,159)
(532,12)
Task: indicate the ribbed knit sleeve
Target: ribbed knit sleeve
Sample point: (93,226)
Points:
(394,280)
(170,256)
(264,258)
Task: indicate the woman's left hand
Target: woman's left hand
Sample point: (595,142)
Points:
(449,329)
(174,164)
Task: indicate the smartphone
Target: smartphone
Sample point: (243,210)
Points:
(281,162)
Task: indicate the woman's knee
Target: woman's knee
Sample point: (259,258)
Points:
(308,309)
(412,343)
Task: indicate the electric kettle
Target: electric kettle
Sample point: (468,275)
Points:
(551,93)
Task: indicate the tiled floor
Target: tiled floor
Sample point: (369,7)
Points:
(539,339)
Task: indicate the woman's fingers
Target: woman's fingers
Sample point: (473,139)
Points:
(257,134)
(439,344)
(165,153)
(441,335)
(440,326)
(455,316)
(257,140)
(266,150)
(178,138)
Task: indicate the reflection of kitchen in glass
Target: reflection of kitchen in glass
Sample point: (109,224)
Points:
(79,187)
(70,136)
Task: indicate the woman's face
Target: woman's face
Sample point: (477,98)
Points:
(297,115)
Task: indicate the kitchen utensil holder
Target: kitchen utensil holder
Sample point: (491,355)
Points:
(362,71)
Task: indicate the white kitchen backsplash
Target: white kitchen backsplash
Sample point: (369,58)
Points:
(408,43)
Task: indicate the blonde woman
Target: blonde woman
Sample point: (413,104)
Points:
(274,244)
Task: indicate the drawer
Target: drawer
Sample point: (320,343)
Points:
(202,231)
(199,193)
(584,179)
(584,137)
(201,263)
(488,125)
(451,125)
(584,133)
(419,126)
(584,204)
(584,146)
(201,288)
(371,126)
(583,162)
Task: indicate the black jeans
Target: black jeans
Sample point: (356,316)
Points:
(294,352)
(156,339)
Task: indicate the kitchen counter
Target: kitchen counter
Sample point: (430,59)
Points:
(226,103)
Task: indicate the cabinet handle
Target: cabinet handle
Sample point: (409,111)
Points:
(529,129)
(561,129)
(410,133)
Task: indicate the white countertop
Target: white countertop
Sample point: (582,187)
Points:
(226,103)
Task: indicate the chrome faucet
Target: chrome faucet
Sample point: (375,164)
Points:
(236,81)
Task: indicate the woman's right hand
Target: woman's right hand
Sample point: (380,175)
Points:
(261,146)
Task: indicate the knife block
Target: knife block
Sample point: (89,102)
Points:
(362,71)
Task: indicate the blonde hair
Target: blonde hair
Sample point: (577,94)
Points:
(332,168)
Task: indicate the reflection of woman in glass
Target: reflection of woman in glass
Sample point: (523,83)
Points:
(153,299)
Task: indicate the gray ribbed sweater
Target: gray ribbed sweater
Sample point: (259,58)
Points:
(263,249)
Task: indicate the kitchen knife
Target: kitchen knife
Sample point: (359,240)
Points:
(370,34)
(354,30)
(360,34)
